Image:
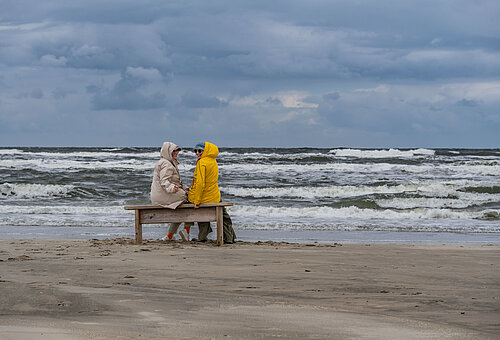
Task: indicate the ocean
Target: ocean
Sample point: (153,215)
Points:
(323,195)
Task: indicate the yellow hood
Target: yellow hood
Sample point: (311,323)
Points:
(211,151)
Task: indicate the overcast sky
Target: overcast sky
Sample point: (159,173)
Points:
(291,73)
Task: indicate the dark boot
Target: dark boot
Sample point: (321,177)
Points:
(204,230)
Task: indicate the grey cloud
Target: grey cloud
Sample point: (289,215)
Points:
(60,93)
(35,94)
(273,101)
(408,114)
(93,89)
(132,102)
(84,46)
(51,60)
(194,99)
(468,102)
(125,95)
(117,48)
(333,96)
(86,11)
(436,108)
(343,39)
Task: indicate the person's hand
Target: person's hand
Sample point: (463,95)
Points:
(176,188)
(196,206)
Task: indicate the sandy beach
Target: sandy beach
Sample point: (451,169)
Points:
(112,289)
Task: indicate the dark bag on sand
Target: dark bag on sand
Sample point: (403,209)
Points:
(228,233)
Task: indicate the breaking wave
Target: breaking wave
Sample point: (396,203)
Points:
(390,153)
(28,191)
(327,213)
(431,189)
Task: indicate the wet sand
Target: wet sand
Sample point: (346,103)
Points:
(112,289)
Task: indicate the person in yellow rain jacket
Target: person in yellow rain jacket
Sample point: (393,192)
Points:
(205,189)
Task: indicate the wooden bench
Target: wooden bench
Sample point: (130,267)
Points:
(152,214)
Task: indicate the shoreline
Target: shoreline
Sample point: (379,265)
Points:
(255,235)
(110,288)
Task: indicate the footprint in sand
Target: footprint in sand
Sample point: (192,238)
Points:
(20,258)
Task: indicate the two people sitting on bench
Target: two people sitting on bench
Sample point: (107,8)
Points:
(167,189)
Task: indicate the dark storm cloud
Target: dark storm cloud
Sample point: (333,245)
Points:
(58,93)
(126,95)
(194,99)
(273,101)
(468,103)
(297,38)
(35,94)
(331,96)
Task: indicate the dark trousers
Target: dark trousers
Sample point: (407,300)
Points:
(228,233)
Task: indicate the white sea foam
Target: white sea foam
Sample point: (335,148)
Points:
(465,169)
(65,215)
(331,191)
(357,153)
(272,218)
(273,155)
(322,213)
(463,200)
(58,210)
(100,221)
(95,154)
(391,153)
(25,190)
(103,155)
(316,192)
(448,170)
(437,195)
(10,151)
(47,161)
(68,164)
(303,168)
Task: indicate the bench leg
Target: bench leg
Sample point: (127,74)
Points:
(138,227)
(220,239)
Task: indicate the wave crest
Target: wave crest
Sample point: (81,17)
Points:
(390,153)
(25,190)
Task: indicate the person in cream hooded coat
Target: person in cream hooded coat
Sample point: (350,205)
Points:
(167,189)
